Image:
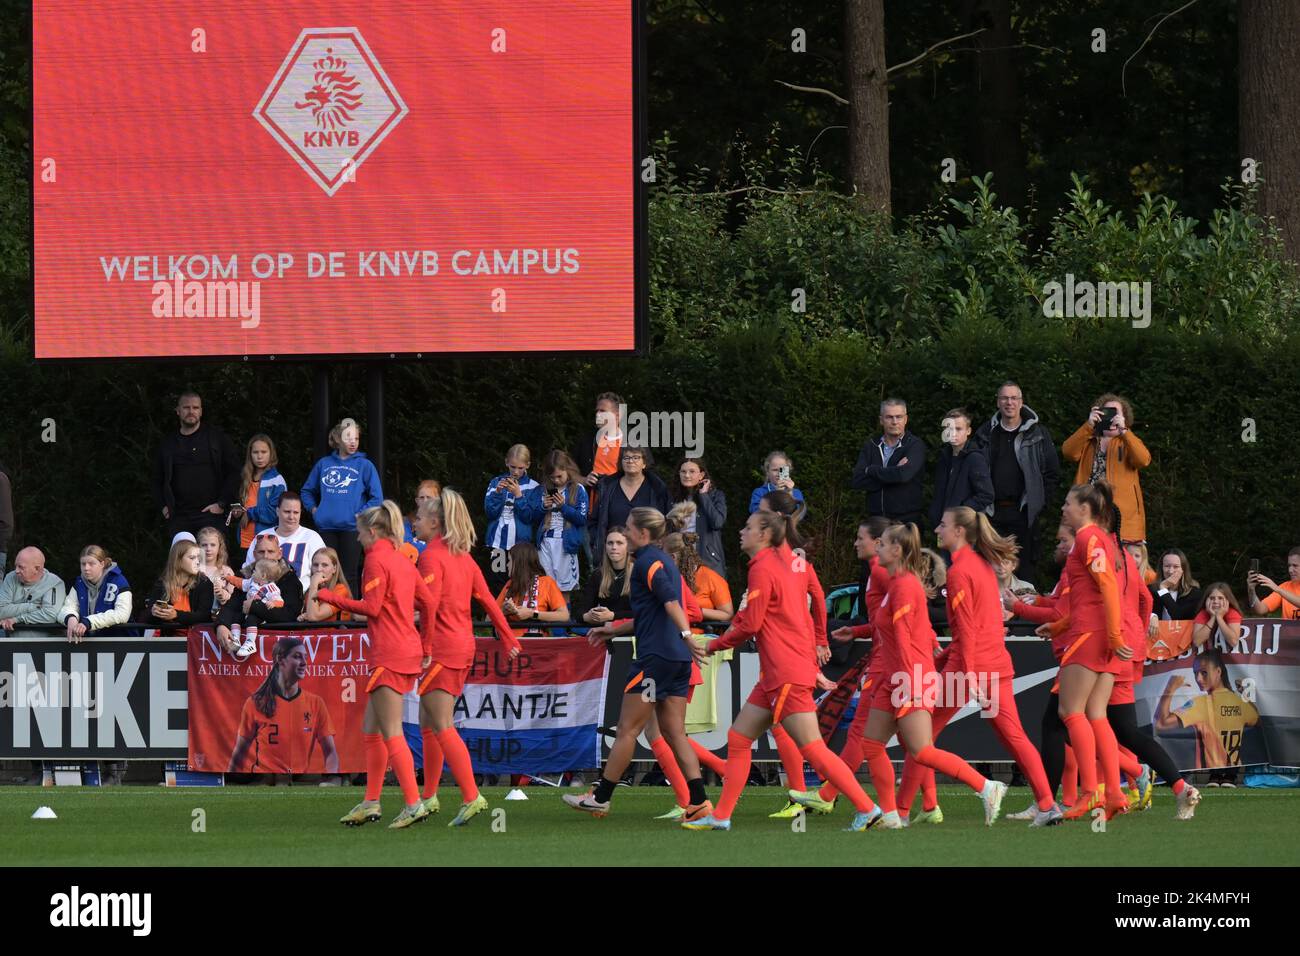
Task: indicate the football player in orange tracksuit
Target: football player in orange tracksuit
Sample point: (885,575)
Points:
(776,614)
(390,591)
(979,652)
(1095,648)
(865,545)
(784,504)
(1058,758)
(1121,712)
(904,700)
(445,565)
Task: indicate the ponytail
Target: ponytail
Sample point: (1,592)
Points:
(1100,500)
(651,520)
(788,507)
(384,521)
(453,515)
(774,524)
(983,537)
(908,538)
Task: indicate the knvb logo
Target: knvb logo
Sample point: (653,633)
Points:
(330,104)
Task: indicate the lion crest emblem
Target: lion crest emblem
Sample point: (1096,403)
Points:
(335,96)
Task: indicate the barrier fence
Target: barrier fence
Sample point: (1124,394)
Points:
(185,698)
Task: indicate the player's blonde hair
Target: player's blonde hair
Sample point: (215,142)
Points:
(383,521)
(452,514)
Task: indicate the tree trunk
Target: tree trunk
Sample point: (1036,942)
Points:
(864,31)
(1268,103)
(994,71)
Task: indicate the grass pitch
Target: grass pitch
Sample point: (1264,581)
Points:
(267,826)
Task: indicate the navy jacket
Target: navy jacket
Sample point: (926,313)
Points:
(960,480)
(893,490)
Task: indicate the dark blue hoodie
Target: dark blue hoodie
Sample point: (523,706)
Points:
(339,489)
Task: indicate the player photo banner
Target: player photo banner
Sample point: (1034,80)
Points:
(536,714)
(1228,707)
(296,706)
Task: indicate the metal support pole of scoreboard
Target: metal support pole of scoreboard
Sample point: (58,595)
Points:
(375,417)
(320,409)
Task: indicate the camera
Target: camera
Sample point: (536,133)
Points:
(1107,416)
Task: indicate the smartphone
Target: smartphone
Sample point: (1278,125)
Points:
(784,473)
(1254,565)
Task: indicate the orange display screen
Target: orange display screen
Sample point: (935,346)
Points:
(307,178)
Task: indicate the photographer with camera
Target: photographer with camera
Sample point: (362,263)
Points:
(1106,448)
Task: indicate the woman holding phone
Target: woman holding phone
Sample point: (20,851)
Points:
(558,510)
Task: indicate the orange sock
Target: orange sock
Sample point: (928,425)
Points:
(929,792)
(791,758)
(708,758)
(851,757)
(1070,779)
(882,773)
(376,764)
(1108,753)
(1084,742)
(668,764)
(733,781)
(457,757)
(832,767)
(1179,786)
(432,762)
(1128,763)
(399,755)
(949,763)
(908,784)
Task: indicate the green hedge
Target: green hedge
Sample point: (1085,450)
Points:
(939,310)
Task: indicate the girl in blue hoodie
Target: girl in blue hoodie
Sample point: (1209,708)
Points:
(99,601)
(342,485)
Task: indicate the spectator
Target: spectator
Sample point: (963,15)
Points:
(1177,596)
(236,611)
(608,595)
(691,482)
(428,490)
(99,601)
(890,468)
(529,594)
(326,575)
(214,564)
(505,524)
(1219,619)
(1106,448)
(1024,468)
(777,468)
(260,488)
(183,595)
(1142,558)
(1285,596)
(1008,582)
(6,516)
(634,485)
(341,485)
(936,593)
(710,588)
(261,590)
(597,456)
(196,473)
(558,510)
(961,474)
(30,594)
(297,544)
